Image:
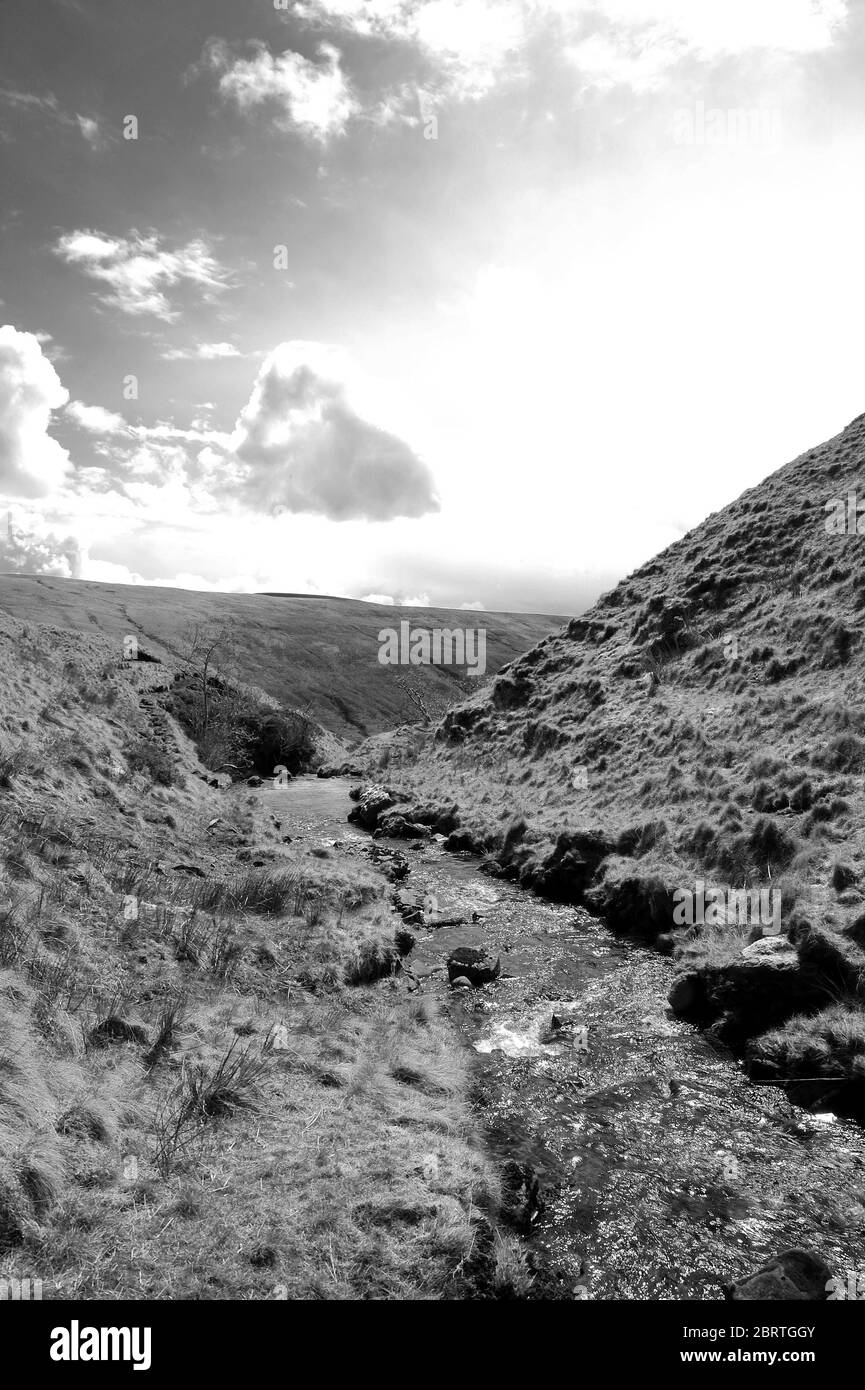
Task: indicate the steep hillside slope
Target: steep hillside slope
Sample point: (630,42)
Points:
(702,726)
(320,653)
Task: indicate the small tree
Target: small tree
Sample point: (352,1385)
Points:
(203,643)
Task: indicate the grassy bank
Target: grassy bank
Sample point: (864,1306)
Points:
(214,1082)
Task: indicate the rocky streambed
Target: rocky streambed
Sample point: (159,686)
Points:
(641,1162)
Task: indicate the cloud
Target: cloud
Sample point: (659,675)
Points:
(96,419)
(92,132)
(472,42)
(31,103)
(31,462)
(476,44)
(202,352)
(378,598)
(298,443)
(313,98)
(25,552)
(138,269)
(795,26)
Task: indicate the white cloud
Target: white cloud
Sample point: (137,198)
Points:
(106,572)
(138,269)
(477,43)
(473,42)
(37,550)
(48,105)
(311,97)
(378,598)
(31,462)
(299,443)
(202,352)
(628,59)
(95,418)
(798,26)
(91,131)
(29,100)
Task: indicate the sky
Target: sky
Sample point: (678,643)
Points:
(473,303)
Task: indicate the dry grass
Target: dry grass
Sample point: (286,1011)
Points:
(210,1086)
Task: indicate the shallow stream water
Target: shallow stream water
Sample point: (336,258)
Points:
(662,1172)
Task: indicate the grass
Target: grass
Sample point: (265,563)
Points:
(214,1081)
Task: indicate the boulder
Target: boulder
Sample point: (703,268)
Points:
(474,964)
(117,1030)
(398,828)
(464,841)
(686,993)
(371,806)
(405,940)
(767,947)
(795,1276)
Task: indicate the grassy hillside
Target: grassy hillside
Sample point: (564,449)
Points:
(214,1082)
(704,723)
(320,653)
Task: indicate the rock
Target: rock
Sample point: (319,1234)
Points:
(685,993)
(795,1276)
(461,982)
(464,841)
(113,1029)
(474,964)
(253,781)
(393,865)
(768,946)
(188,869)
(405,940)
(398,828)
(371,806)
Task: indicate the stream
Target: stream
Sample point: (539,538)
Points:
(662,1172)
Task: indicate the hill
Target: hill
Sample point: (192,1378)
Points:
(313,653)
(701,727)
(214,1080)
